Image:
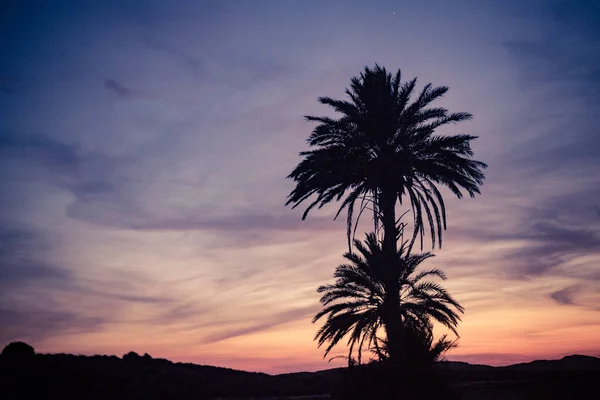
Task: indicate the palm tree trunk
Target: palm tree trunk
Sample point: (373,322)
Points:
(392,319)
(389,246)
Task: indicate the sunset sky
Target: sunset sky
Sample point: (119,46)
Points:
(144,147)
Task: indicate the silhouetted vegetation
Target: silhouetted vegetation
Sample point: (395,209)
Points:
(380,151)
(18,350)
(66,376)
(354,305)
(132,355)
(378,381)
(382,148)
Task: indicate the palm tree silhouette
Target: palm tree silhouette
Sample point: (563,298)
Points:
(355,305)
(382,148)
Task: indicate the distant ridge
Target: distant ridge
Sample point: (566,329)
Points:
(68,376)
(575,362)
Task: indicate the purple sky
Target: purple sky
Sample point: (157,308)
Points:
(144,146)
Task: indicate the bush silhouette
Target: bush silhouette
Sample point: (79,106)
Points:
(18,350)
(132,355)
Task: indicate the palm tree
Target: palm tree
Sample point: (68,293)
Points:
(424,350)
(382,148)
(355,305)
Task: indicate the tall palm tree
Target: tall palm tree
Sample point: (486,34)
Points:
(355,305)
(382,148)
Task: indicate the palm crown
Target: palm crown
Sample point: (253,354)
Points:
(383,144)
(354,304)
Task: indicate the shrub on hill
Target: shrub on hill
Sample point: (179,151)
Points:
(18,350)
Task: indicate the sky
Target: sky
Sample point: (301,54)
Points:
(144,147)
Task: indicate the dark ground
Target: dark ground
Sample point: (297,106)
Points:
(65,376)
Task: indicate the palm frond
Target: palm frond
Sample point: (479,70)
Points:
(354,306)
(383,139)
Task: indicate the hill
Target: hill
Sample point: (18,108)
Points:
(67,376)
(574,362)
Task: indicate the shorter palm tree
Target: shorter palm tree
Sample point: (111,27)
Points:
(377,381)
(354,306)
(423,349)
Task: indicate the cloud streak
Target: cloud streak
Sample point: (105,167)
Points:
(116,87)
(564,296)
(264,324)
(35,326)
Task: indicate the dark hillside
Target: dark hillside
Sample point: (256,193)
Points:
(67,376)
(26,375)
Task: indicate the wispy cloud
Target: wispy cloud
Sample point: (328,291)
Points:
(40,149)
(116,87)
(37,325)
(551,245)
(263,324)
(564,296)
(22,262)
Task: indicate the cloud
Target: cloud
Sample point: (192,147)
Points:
(583,294)
(561,71)
(122,203)
(115,87)
(565,296)
(36,325)
(127,298)
(39,149)
(105,196)
(14,240)
(18,272)
(567,49)
(21,261)
(548,245)
(537,246)
(264,324)
(176,51)
(127,215)
(40,299)
(27,311)
(182,312)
